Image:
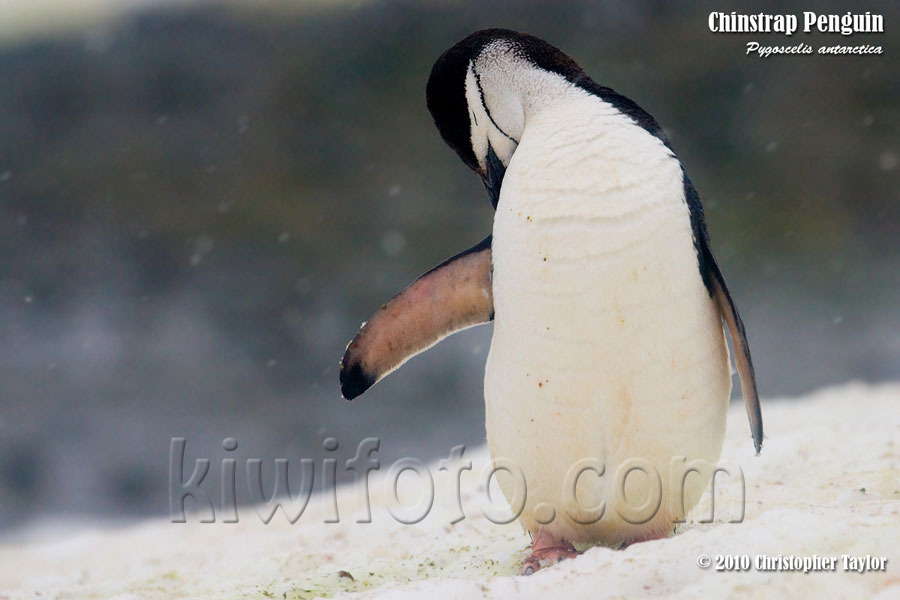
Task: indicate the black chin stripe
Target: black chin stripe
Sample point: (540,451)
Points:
(488,112)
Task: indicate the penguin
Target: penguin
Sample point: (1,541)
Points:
(608,351)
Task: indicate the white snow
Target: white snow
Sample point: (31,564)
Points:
(827,483)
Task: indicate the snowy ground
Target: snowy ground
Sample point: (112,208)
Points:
(826,484)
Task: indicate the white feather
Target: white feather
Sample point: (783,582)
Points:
(606,343)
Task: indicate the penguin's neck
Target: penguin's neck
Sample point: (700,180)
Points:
(543,91)
(587,158)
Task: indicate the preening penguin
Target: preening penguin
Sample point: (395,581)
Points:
(608,348)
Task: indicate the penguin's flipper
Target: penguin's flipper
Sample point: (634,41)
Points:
(454,295)
(741,349)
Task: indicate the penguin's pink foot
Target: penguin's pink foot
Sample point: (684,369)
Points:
(545,551)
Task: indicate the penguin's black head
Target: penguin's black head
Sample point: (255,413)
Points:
(475,96)
(481,90)
(445,94)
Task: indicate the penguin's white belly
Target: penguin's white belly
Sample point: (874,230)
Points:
(606,345)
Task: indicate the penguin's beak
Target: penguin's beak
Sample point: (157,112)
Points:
(492,176)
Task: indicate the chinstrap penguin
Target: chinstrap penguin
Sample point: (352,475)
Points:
(608,305)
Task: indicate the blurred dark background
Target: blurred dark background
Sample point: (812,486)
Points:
(199,206)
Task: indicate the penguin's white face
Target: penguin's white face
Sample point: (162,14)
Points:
(502,87)
(486,132)
(482,91)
